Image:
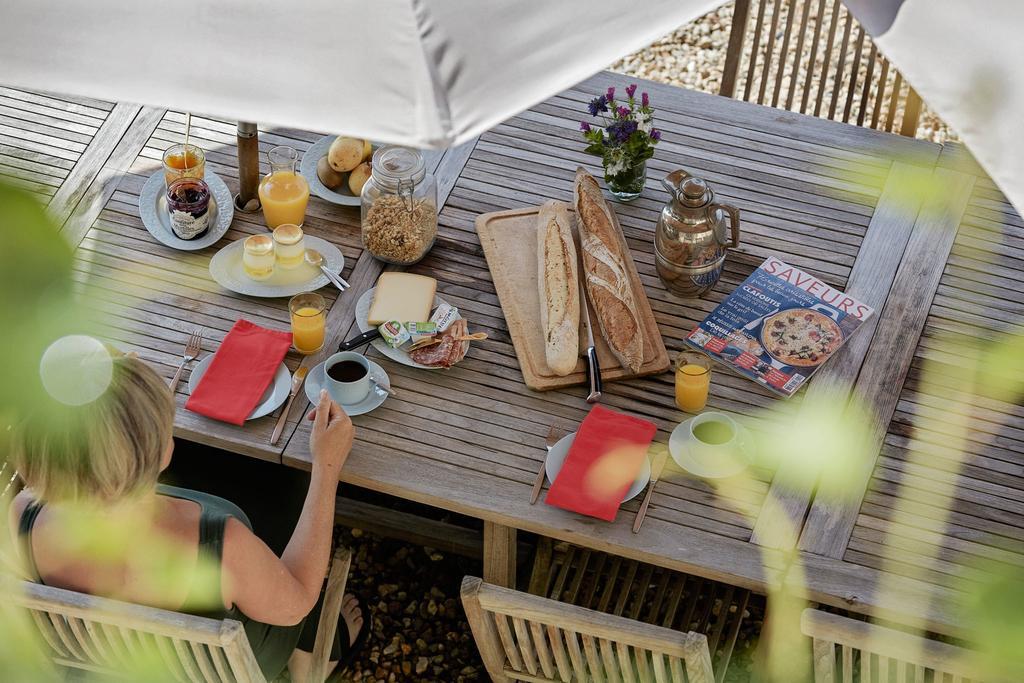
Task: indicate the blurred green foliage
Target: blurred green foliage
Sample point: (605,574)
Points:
(36,306)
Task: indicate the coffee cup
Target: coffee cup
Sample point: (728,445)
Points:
(713,441)
(347,377)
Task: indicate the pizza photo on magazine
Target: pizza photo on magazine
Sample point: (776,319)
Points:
(779,326)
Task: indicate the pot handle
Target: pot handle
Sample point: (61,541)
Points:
(734,221)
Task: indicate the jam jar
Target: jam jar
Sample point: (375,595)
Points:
(188,202)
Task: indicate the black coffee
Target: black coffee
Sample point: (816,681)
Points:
(346,371)
(713,432)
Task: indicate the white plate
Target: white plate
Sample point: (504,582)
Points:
(398,355)
(307,168)
(153,211)
(677,446)
(315,382)
(273,397)
(556,458)
(226,268)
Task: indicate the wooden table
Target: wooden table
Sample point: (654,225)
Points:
(936,507)
(829,198)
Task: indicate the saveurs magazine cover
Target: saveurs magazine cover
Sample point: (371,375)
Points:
(779,326)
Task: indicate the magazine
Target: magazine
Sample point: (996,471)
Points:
(779,326)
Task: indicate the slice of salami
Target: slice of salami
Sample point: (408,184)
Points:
(434,355)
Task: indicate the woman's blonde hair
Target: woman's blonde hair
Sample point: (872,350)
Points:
(107,449)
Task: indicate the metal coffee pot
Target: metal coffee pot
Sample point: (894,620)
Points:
(691,239)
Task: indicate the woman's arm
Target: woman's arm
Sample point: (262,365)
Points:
(283,590)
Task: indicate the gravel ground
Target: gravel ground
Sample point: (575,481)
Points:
(420,631)
(693,56)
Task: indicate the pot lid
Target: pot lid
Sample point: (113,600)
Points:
(694,192)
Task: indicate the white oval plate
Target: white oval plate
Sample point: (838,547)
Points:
(226,269)
(556,458)
(398,355)
(153,211)
(307,168)
(677,447)
(315,382)
(273,397)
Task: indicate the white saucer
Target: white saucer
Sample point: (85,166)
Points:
(315,382)
(677,446)
(556,458)
(307,168)
(227,270)
(273,397)
(153,211)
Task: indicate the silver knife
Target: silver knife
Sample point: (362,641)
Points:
(593,369)
(297,379)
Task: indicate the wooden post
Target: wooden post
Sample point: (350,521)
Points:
(499,555)
(734,53)
(911,114)
(247,198)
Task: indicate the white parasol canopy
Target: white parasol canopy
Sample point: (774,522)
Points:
(966,60)
(434,73)
(427,73)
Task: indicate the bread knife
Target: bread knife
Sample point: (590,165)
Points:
(593,369)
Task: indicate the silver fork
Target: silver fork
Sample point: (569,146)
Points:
(192,348)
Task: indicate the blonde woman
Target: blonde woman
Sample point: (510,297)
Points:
(93,519)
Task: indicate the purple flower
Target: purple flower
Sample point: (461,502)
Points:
(584,126)
(620,131)
(610,94)
(644,101)
(598,104)
(630,89)
(655,134)
(623,112)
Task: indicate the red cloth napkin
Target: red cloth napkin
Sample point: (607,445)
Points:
(239,373)
(602,463)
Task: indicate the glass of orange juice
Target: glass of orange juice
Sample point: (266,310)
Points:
(309,315)
(183,161)
(283,192)
(693,379)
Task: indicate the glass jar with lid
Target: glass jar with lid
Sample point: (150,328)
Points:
(399,206)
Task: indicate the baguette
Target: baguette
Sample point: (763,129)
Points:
(608,281)
(558,276)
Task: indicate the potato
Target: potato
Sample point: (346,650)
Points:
(328,176)
(358,177)
(345,154)
(367,150)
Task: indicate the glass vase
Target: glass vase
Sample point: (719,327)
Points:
(627,185)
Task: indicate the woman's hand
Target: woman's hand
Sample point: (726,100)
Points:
(331,438)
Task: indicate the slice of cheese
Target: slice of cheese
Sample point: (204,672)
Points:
(404,297)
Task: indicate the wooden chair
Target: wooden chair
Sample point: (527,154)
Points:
(613,585)
(846,87)
(525,637)
(119,639)
(868,652)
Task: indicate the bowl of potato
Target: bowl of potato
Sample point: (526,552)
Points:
(337,167)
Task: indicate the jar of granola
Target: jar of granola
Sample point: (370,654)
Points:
(399,206)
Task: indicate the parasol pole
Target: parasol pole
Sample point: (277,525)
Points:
(247,198)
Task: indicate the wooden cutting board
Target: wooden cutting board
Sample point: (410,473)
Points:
(509,239)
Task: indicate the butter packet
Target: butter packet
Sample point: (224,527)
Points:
(444,315)
(393,333)
(421,331)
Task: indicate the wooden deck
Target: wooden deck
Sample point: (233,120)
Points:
(827,197)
